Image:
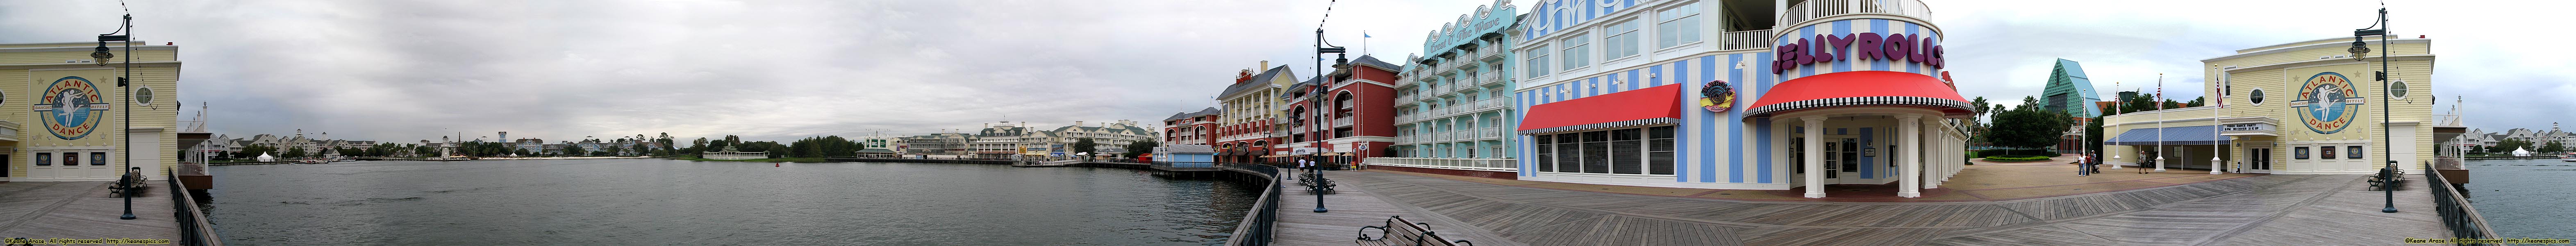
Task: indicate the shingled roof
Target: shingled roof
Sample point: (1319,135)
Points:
(1257,81)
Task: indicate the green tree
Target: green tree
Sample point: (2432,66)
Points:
(573,149)
(2027,128)
(2093,134)
(1084,145)
(1138,148)
(2196,102)
(294,152)
(2553,147)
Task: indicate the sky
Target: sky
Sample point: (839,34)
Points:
(786,69)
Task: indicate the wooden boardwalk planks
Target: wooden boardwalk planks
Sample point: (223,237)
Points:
(1353,207)
(2263,210)
(83,210)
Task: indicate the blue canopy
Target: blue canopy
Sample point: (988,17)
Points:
(2172,135)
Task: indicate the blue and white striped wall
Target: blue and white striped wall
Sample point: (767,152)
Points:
(1722,150)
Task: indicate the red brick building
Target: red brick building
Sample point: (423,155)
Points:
(1191,127)
(1359,117)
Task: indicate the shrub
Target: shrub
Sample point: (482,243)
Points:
(2016,159)
(2000,152)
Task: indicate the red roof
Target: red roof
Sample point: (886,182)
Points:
(1660,102)
(1861,88)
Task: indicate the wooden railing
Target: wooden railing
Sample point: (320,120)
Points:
(1746,40)
(1811,10)
(1258,225)
(2462,219)
(193,227)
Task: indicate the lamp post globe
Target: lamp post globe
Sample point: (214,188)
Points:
(101,54)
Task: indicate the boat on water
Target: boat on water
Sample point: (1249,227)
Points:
(313,161)
(2569,156)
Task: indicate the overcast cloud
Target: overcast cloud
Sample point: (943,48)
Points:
(777,70)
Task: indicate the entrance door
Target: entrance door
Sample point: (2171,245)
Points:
(1833,161)
(1850,166)
(2262,162)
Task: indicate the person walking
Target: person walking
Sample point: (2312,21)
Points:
(2083,166)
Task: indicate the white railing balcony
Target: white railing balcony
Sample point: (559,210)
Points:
(1811,10)
(1746,40)
(1438,137)
(1491,77)
(1464,135)
(1403,139)
(2446,120)
(1505,165)
(1490,133)
(1490,54)
(1342,122)
(1493,103)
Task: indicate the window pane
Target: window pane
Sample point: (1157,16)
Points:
(1624,156)
(1688,32)
(1659,145)
(1544,164)
(1624,134)
(1569,157)
(1546,139)
(1660,162)
(1596,157)
(1660,132)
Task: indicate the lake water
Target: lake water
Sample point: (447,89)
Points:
(669,202)
(2525,197)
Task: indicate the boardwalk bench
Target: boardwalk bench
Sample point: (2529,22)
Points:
(2397,178)
(1311,181)
(1398,232)
(132,178)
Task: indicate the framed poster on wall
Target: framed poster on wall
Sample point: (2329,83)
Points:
(2299,153)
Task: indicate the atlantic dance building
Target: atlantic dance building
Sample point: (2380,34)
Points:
(1770,95)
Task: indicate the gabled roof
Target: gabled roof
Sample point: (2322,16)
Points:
(1257,81)
(1372,61)
(1186,115)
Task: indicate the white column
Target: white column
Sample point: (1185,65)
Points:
(2160,158)
(1815,156)
(1952,152)
(1939,137)
(1909,166)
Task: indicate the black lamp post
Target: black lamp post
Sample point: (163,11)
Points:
(1316,100)
(101,54)
(2388,173)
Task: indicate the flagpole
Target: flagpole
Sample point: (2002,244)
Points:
(2214,147)
(2160,123)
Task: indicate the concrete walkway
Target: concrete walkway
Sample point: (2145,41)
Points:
(2248,210)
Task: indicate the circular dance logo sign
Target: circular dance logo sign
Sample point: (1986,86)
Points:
(67,107)
(2326,101)
(1717,96)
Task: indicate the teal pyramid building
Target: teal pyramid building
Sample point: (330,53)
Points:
(2069,91)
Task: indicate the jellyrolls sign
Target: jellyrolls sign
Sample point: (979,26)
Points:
(70,103)
(1867,46)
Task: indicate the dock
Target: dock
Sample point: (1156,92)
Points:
(2259,210)
(85,211)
